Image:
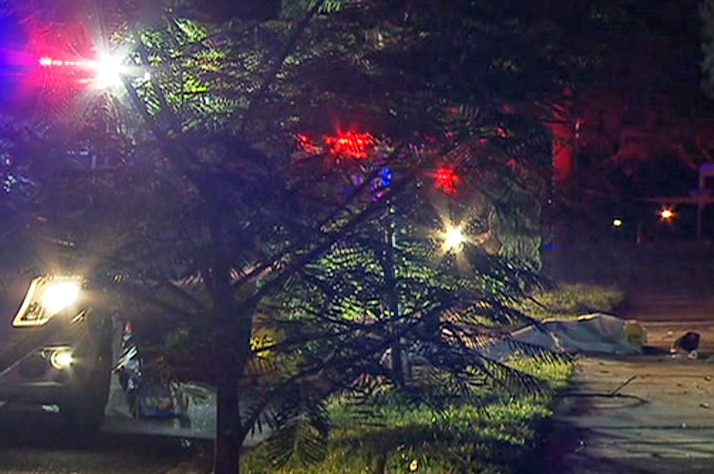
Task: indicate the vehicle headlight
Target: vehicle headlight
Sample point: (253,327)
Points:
(47,296)
(61,358)
(60,294)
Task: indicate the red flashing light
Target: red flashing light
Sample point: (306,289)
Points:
(47,62)
(503,132)
(103,72)
(446,179)
(307,144)
(355,145)
(55,62)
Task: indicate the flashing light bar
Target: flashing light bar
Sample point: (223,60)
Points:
(107,71)
(46,62)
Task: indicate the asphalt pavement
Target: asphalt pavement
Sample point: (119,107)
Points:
(649,414)
(35,443)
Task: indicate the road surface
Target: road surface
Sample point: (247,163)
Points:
(648,414)
(32,443)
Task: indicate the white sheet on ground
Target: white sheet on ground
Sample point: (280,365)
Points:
(591,333)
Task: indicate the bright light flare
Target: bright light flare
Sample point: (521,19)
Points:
(453,238)
(61,358)
(106,72)
(356,145)
(667,214)
(450,239)
(109,71)
(59,295)
(46,297)
(617,222)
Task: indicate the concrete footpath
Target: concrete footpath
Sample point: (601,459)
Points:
(642,414)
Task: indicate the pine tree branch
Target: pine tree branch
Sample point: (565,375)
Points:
(272,73)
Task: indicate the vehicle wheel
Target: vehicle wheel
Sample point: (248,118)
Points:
(84,414)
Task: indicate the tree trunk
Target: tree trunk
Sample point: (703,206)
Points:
(233,351)
(233,331)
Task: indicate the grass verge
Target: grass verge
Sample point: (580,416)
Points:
(569,301)
(492,438)
(496,437)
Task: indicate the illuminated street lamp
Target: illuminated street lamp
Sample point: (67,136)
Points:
(666,214)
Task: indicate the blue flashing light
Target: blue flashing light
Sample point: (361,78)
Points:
(385,175)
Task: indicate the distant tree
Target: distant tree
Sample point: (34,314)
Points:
(706,15)
(640,108)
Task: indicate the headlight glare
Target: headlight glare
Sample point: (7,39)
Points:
(61,358)
(58,295)
(47,296)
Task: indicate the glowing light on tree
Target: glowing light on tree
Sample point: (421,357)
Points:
(446,179)
(357,145)
(503,132)
(453,238)
(307,146)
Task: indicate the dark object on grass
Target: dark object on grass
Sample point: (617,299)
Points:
(688,342)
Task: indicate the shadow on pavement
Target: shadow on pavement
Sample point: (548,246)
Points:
(645,414)
(565,450)
(46,431)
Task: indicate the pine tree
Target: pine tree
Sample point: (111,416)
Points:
(230,167)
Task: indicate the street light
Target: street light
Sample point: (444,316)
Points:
(666,214)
